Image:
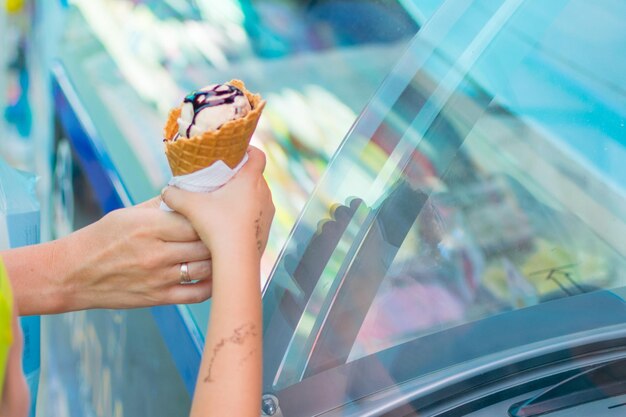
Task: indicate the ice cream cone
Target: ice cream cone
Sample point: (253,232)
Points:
(228,143)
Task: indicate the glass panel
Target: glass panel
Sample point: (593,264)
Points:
(483,177)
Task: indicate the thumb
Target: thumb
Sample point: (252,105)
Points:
(175,199)
(256,160)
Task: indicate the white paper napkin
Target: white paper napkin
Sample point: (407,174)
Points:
(206,180)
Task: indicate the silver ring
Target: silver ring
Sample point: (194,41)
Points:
(184,274)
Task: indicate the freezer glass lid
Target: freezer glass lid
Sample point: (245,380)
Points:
(481,189)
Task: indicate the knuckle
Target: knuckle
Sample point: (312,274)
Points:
(116,219)
(151,261)
(159,298)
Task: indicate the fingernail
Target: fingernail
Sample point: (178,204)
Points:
(163,192)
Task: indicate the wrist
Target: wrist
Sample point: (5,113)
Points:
(240,258)
(72,272)
(235,240)
(235,247)
(64,268)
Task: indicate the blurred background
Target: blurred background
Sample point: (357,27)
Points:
(433,164)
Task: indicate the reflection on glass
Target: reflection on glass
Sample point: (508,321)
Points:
(481,194)
(287,27)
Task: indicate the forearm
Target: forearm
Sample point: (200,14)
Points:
(37,274)
(49,278)
(229,380)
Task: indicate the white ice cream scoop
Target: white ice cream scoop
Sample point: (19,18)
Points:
(211,107)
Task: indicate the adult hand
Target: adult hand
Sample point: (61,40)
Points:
(130,258)
(238,214)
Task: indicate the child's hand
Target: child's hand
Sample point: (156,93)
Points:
(236,217)
(234,223)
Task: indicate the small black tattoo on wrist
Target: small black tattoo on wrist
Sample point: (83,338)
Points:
(240,334)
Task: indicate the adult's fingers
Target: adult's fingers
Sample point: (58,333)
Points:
(172,227)
(190,293)
(178,252)
(198,271)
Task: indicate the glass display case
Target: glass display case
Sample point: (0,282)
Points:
(123,64)
(464,249)
(460,251)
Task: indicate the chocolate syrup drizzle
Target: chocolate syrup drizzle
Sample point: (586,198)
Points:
(216,96)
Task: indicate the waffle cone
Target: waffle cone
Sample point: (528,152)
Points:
(228,143)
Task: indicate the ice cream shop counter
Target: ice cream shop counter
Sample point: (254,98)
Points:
(446,173)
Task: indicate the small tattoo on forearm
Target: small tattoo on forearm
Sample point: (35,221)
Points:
(240,334)
(257,225)
(245,358)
